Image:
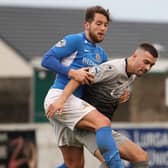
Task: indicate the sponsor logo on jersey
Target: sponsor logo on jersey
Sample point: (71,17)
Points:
(97,57)
(61,43)
(88,62)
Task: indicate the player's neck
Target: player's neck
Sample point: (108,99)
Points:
(129,68)
(89,39)
(126,67)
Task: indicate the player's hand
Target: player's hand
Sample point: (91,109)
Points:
(81,75)
(124,97)
(55,108)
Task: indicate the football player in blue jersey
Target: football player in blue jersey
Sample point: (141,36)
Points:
(70,59)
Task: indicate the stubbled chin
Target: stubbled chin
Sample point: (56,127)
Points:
(100,39)
(140,74)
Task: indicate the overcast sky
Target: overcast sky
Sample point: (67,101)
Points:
(138,10)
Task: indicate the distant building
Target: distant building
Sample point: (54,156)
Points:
(15,86)
(32,31)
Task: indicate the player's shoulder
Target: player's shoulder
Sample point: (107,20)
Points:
(116,61)
(73,40)
(76,36)
(118,64)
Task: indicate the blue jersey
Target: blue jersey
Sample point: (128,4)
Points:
(72,52)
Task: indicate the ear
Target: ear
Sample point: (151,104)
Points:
(86,25)
(134,55)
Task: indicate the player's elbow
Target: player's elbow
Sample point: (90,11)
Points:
(44,62)
(47,59)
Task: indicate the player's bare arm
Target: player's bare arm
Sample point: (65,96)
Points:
(124,97)
(58,105)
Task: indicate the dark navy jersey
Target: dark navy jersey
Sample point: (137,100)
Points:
(73,51)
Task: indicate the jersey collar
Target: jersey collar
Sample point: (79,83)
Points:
(126,68)
(87,40)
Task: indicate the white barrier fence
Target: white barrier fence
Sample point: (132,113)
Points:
(152,137)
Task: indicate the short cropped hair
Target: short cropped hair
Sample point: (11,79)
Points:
(90,13)
(150,48)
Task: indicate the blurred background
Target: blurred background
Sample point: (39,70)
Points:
(29,28)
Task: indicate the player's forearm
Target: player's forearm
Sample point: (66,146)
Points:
(52,63)
(68,90)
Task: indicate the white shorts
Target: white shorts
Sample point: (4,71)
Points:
(74,108)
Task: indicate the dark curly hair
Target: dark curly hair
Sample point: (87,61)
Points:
(90,13)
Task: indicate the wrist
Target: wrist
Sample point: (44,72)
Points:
(61,100)
(71,73)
